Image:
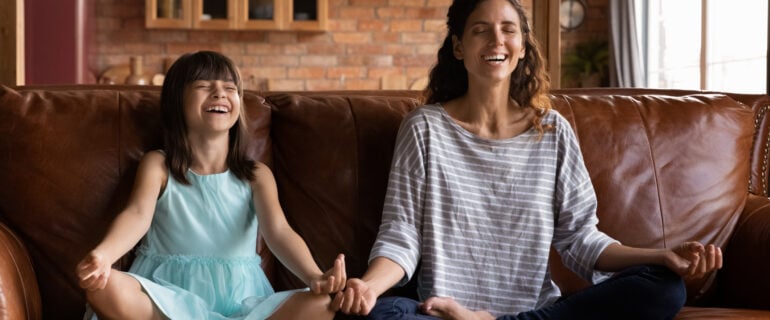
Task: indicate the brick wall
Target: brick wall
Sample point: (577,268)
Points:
(366,42)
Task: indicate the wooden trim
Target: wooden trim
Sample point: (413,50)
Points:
(703,44)
(214,24)
(153,21)
(320,24)
(12,42)
(277,23)
(545,21)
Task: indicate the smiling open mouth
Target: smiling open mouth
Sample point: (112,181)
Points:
(495,58)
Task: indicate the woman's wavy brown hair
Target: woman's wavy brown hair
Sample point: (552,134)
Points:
(530,82)
(190,67)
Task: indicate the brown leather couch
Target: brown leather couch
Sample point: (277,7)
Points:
(668,166)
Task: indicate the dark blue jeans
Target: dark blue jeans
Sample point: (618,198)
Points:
(642,292)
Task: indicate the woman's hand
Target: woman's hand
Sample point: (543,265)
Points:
(357,299)
(333,280)
(693,260)
(93,271)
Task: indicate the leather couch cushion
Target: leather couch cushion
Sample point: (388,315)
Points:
(666,169)
(332,156)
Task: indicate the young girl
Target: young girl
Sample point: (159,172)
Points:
(197,206)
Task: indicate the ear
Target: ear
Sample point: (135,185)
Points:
(457,48)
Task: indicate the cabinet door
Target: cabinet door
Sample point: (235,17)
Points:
(168,14)
(214,14)
(307,14)
(262,14)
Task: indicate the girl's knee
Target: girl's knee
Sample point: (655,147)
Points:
(304,305)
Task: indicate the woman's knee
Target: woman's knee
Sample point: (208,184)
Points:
(395,308)
(666,290)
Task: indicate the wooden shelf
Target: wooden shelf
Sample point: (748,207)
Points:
(305,15)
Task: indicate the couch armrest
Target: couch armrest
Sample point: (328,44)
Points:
(19,292)
(745,278)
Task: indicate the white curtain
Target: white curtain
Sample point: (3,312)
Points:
(626,59)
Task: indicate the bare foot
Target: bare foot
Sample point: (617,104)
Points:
(448,309)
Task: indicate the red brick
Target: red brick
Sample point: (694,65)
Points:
(307,73)
(326,49)
(397,49)
(360,49)
(282,37)
(347,72)
(369,61)
(313,38)
(427,49)
(352,37)
(434,25)
(356,13)
(261,48)
(386,37)
(419,38)
(390,12)
(294,49)
(326,61)
(362,84)
(413,61)
(439,3)
(372,25)
(418,72)
(426,13)
(320,85)
(343,25)
(265,72)
(406,3)
(380,3)
(279,60)
(406,25)
(379,72)
(167,36)
(286,85)
(249,36)
(181,48)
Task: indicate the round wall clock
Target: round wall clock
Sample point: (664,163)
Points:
(571,13)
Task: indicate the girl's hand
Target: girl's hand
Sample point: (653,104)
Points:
(333,280)
(692,260)
(93,271)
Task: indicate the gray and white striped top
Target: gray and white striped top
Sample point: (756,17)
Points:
(482,214)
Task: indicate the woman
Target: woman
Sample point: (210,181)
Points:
(485,179)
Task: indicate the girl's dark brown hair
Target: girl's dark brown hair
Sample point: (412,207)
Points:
(190,67)
(530,82)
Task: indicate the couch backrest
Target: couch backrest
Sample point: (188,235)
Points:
(69,155)
(666,169)
(331,154)
(667,166)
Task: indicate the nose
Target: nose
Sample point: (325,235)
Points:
(218,92)
(496,38)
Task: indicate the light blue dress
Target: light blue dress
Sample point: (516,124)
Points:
(198,260)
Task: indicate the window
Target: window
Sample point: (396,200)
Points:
(718,45)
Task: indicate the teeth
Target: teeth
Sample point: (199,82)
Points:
(498,57)
(218,109)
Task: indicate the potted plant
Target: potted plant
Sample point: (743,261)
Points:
(586,65)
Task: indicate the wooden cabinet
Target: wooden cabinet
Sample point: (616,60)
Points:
(237,14)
